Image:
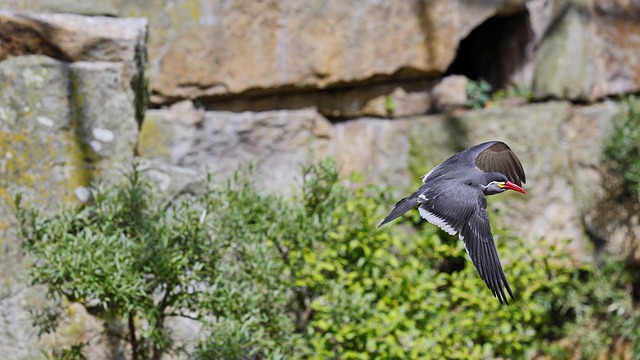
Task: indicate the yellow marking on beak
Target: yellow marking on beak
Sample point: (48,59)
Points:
(501,185)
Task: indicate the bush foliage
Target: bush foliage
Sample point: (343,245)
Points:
(312,277)
(136,259)
(622,147)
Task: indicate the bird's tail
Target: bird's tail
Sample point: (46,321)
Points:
(401,207)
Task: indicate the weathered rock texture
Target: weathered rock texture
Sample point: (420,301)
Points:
(589,50)
(559,144)
(210,50)
(279,82)
(72,38)
(70,103)
(73,85)
(35,156)
(319,51)
(217,47)
(610,213)
(307,52)
(279,142)
(93,7)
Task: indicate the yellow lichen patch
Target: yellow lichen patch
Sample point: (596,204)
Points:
(193,8)
(19,172)
(17,155)
(188,11)
(155,137)
(78,173)
(28,160)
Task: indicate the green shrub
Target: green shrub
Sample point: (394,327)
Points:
(622,148)
(389,296)
(603,317)
(312,277)
(409,291)
(134,258)
(249,301)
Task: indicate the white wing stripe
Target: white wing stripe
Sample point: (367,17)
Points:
(426,176)
(464,244)
(436,220)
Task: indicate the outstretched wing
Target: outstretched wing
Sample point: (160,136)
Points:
(499,158)
(478,240)
(459,208)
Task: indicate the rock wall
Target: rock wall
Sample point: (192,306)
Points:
(70,104)
(381,86)
(562,165)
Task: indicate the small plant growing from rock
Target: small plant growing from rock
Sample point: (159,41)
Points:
(517,94)
(478,93)
(389,105)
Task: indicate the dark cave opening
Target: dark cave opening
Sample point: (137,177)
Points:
(495,50)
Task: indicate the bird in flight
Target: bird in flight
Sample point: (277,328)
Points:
(453,197)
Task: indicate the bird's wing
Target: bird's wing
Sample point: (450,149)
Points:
(478,240)
(498,157)
(443,206)
(460,208)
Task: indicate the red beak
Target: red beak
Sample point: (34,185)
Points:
(511,186)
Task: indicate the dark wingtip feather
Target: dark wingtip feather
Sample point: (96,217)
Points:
(501,295)
(401,207)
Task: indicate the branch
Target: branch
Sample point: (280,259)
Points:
(197,317)
(132,335)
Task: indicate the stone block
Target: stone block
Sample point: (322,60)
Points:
(278,142)
(588,50)
(103,104)
(214,47)
(72,94)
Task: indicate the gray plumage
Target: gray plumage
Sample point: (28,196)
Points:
(453,198)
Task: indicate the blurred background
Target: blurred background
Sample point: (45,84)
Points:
(196,89)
